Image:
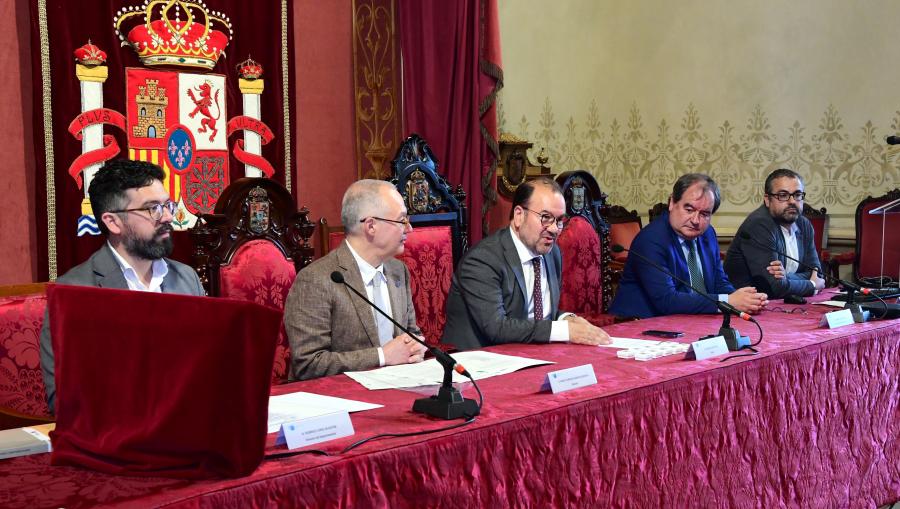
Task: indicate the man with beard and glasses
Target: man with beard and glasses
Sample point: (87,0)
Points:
(777,225)
(506,288)
(684,243)
(134,211)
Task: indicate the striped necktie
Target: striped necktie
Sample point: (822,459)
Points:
(694,267)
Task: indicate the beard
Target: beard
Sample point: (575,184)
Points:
(788,216)
(153,248)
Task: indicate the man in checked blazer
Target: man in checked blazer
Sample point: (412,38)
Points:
(331,329)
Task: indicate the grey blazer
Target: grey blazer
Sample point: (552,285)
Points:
(332,330)
(103,271)
(746,260)
(488,305)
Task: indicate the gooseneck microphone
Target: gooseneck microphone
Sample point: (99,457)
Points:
(732,337)
(892,140)
(449,402)
(850,288)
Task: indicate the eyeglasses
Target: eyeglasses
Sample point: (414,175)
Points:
(155,211)
(785,196)
(801,311)
(548,219)
(404,221)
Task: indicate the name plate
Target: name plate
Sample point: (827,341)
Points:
(314,430)
(706,348)
(568,379)
(837,319)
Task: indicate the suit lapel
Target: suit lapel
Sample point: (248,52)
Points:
(512,259)
(353,278)
(107,271)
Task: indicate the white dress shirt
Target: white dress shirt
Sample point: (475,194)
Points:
(559,329)
(159,269)
(368,273)
(790,247)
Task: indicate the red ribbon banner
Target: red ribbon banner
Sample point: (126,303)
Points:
(245,123)
(110,146)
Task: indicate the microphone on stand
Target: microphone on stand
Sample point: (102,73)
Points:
(449,402)
(733,338)
(850,288)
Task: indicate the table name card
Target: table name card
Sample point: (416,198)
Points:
(837,319)
(314,430)
(706,348)
(568,379)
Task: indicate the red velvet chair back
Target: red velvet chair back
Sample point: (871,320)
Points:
(869,262)
(584,243)
(251,248)
(624,225)
(819,220)
(429,257)
(22,395)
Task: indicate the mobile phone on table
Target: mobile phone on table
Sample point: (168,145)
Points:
(663,333)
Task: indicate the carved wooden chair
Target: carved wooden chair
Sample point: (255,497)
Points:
(251,248)
(439,238)
(23,400)
(584,243)
(656,211)
(819,219)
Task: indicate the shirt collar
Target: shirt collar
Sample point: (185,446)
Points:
(366,270)
(525,254)
(791,230)
(159,269)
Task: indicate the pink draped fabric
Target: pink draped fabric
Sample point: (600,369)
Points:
(21,384)
(809,422)
(451,72)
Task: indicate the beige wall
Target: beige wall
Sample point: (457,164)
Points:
(640,92)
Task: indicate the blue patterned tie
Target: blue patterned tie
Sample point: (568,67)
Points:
(694,267)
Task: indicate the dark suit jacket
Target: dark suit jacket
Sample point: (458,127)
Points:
(487,304)
(645,291)
(103,271)
(331,330)
(747,260)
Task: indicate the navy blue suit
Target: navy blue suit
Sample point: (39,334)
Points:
(645,291)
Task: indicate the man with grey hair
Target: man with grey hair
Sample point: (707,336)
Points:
(683,242)
(331,330)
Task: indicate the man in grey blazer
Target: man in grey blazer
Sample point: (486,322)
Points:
(777,225)
(506,288)
(332,330)
(134,211)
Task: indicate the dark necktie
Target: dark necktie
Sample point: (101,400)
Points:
(538,295)
(694,267)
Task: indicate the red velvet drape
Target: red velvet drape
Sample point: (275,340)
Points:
(451,72)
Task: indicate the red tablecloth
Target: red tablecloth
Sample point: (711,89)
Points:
(811,421)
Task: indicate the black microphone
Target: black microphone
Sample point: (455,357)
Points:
(892,140)
(449,402)
(732,337)
(847,285)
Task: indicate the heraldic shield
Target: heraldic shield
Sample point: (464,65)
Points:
(178,121)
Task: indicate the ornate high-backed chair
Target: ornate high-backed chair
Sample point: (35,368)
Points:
(23,401)
(439,238)
(819,220)
(584,243)
(251,248)
(870,263)
(656,210)
(624,225)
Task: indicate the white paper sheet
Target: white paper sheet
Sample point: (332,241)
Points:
(832,303)
(302,405)
(479,364)
(629,343)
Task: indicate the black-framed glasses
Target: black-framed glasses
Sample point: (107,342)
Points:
(404,221)
(548,219)
(155,211)
(785,196)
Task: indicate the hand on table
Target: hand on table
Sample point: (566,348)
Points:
(583,332)
(403,350)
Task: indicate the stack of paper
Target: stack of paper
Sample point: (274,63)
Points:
(302,405)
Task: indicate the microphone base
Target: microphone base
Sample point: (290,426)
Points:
(860,315)
(733,339)
(448,404)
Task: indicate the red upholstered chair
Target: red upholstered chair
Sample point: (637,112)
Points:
(868,264)
(819,220)
(330,237)
(584,243)
(23,401)
(437,213)
(251,247)
(624,225)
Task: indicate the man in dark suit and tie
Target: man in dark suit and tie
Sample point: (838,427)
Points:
(683,242)
(776,227)
(506,288)
(135,213)
(332,330)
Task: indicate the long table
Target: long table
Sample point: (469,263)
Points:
(811,421)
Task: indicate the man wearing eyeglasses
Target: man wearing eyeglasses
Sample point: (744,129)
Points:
(134,212)
(506,288)
(777,227)
(332,330)
(684,243)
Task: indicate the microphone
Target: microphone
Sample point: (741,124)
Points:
(449,402)
(732,337)
(851,288)
(892,140)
